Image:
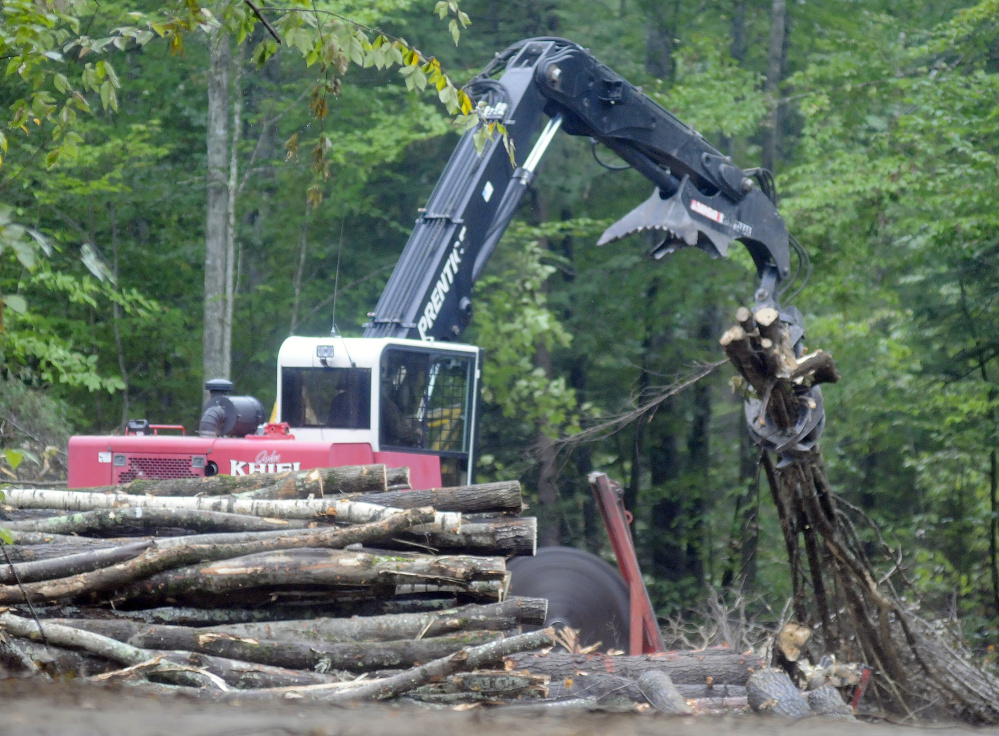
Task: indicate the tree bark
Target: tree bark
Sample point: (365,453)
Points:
(861,617)
(182,667)
(271,611)
(478,686)
(498,537)
(51,546)
(232,187)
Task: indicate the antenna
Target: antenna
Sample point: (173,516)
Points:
(334,332)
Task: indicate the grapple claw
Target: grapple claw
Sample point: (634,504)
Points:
(655,213)
(709,222)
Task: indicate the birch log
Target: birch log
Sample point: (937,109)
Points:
(101,522)
(347,479)
(500,497)
(350,512)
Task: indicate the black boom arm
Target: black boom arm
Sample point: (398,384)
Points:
(701,198)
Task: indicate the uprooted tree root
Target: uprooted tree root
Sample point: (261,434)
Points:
(919,668)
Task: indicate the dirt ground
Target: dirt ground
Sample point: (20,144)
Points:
(70,709)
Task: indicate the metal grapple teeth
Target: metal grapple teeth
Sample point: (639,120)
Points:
(655,213)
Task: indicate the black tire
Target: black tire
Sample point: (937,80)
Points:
(584,592)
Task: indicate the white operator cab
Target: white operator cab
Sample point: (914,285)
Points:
(394,395)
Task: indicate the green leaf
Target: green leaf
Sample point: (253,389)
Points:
(16,303)
(13,457)
(95,262)
(6,537)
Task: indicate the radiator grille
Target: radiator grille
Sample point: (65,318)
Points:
(158,468)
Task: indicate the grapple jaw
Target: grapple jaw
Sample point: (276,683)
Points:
(690,218)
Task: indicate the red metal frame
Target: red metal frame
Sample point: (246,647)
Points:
(644,629)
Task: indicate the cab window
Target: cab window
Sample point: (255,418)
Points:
(333,398)
(425,400)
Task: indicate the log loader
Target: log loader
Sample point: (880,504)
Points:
(406,393)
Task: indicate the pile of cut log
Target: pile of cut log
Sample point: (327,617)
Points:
(337,581)
(335,584)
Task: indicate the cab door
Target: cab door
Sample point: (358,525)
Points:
(427,405)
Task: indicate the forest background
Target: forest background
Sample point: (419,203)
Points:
(879,118)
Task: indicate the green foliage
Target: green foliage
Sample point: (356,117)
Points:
(33,428)
(712,92)
(512,322)
(899,134)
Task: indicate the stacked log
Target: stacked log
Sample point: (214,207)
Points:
(336,582)
(333,584)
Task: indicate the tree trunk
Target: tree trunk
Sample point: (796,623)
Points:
(232,672)
(659,30)
(737,47)
(721,666)
(861,616)
(215,362)
(303,249)
(496,537)
(272,611)
(775,65)
(500,497)
(116,319)
(232,188)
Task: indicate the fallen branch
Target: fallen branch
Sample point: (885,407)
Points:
(60,567)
